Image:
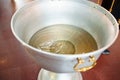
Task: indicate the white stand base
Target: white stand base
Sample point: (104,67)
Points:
(47,75)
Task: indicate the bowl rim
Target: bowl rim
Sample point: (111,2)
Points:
(91,4)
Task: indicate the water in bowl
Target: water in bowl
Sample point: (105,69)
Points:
(63,39)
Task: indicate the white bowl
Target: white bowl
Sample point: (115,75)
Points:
(82,13)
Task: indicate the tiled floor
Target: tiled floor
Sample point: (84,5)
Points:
(15,64)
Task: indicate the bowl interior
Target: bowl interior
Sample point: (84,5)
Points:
(38,15)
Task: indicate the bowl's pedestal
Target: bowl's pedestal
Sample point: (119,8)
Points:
(48,75)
